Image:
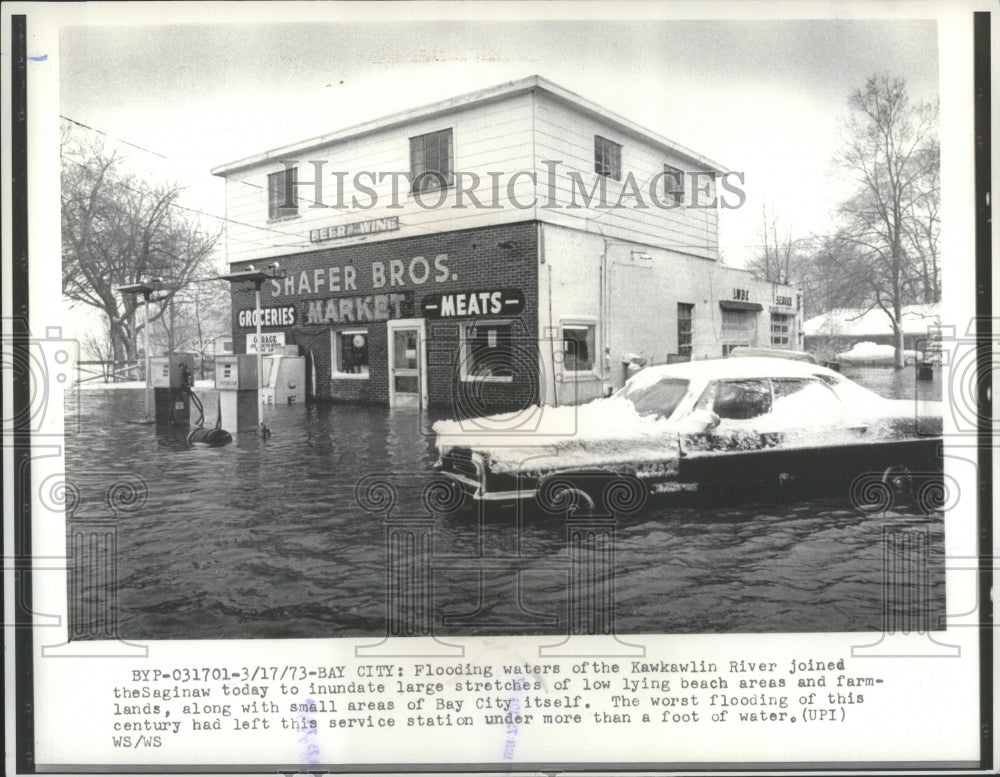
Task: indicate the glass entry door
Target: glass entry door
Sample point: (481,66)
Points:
(407,363)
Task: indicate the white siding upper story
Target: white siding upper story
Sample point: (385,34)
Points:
(636,207)
(520,151)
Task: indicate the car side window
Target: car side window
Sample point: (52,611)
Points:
(738,399)
(807,399)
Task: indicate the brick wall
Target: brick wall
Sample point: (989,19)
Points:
(476,260)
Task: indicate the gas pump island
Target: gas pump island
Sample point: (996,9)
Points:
(246,382)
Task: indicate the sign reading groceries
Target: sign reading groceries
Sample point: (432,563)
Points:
(269,343)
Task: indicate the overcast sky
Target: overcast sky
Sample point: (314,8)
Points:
(762,97)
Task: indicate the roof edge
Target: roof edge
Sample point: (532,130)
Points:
(464,101)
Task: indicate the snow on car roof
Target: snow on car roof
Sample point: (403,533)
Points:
(714,369)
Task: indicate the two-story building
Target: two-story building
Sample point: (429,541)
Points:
(514,246)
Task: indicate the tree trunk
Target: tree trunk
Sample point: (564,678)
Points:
(897,332)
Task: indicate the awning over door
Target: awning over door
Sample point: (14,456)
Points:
(732,304)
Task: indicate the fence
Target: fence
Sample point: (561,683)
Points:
(109,371)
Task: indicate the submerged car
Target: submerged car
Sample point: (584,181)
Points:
(703,425)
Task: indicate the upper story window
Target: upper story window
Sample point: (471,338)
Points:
(431,161)
(282,197)
(673,185)
(607,158)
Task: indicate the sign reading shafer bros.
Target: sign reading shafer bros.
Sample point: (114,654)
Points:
(500,302)
(377,291)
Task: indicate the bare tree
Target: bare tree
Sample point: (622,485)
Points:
(779,258)
(192,319)
(97,346)
(888,153)
(118,229)
(922,225)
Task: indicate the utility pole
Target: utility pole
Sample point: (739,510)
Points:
(146,290)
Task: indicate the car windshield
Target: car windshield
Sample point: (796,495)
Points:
(656,399)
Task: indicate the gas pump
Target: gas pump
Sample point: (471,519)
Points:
(284,378)
(172,378)
(236,381)
(237,405)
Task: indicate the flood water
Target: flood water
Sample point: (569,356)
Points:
(265,538)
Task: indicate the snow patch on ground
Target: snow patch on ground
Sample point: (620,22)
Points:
(867,351)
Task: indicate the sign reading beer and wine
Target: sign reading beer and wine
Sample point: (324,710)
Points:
(369,227)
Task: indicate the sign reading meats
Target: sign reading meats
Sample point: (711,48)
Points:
(501,302)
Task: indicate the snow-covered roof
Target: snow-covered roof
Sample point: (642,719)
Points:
(848,322)
(713,369)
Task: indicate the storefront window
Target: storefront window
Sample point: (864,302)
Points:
(350,353)
(781,325)
(487,352)
(578,347)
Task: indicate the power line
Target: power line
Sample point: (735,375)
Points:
(109,135)
(299,198)
(202,213)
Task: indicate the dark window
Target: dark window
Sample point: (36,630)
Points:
(578,347)
(657,399)
(673,185)
(738,399)
(685,327)
(486,352)
(607,158)
(431,161)
(781,326)
(282,198)
(350,352)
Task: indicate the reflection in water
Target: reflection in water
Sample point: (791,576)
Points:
(264,538)
(895,384)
